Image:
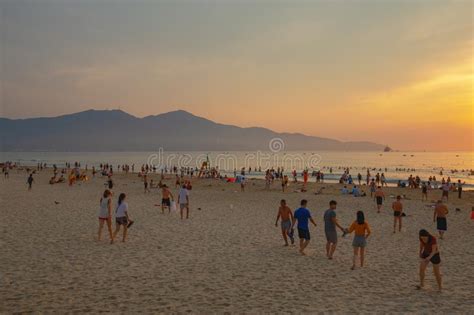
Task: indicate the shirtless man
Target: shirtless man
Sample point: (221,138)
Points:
(286,215)
(439,216)
(379,198)
(166,198)
(397,208)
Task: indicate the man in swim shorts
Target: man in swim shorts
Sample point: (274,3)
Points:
(166,199)
(439,216)
(379,198)
(286,216)
(397,208)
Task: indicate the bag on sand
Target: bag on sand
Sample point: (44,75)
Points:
(173,206)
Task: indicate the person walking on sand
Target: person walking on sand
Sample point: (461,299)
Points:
(330,224)
(183,201)
(397,208)
(439,216)
(242,184)
(445,189)
(379,198)
(121,218)
(30,181)
(372,188)
(424,191)
(361,230)
(166,198)
(303,216)
(105,214)
(145,183)
(284,183)
(286,216)
(429,252)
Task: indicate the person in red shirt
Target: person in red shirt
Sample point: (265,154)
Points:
(429,253)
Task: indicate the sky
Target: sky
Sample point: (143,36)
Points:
(390,71)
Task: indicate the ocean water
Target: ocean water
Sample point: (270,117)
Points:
(395,165)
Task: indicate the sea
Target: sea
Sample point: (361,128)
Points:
(396,165)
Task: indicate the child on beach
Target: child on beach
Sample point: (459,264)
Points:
(286,215)
(379,198)
(303,217)
(439,216)
(105,214)
(362,232)
(121,218)
(397,208)
(429,252)
(183,201)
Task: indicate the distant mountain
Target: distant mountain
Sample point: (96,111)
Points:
(115,130)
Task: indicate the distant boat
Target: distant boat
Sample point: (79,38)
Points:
(387,149)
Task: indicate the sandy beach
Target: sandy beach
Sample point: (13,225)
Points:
(227,258)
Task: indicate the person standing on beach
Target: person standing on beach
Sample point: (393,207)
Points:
(145,183)
(303,217)
(424,191)
(242,184)
(286,216)
(330,224)
(166,198)
(362,231)
(30,181)
(183,201)
(110,182)
(445,189)
(429,252)
(397,208)
(284,183)
(439,216)
(121,218)
(372,187)
(105,214)
(460,188)
(379,198)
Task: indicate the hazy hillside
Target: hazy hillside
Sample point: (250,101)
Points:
(115,130)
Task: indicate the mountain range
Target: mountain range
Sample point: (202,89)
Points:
(116,130)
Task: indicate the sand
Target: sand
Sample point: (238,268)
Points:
(229,257)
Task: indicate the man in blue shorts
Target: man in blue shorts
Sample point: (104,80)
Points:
(303,216)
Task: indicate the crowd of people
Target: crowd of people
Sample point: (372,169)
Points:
(301,217)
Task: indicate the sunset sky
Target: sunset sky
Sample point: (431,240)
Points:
(393,72)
